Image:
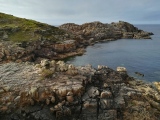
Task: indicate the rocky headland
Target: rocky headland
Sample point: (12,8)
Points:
(24,40)
(97,31)
(56,91)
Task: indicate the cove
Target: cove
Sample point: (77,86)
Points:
(136,55)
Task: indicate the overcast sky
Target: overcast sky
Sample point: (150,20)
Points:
(56,12)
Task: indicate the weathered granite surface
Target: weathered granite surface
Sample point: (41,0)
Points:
(56,90)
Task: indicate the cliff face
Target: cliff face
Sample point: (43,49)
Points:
(56,90)
(28,40)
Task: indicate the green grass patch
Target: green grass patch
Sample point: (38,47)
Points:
(22,36)
(27,29)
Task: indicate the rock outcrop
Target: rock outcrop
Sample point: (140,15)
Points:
(56,90)
(33,51)
(97,31)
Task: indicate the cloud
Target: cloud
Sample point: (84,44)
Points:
(80,11)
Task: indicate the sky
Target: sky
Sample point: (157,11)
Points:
(57,12)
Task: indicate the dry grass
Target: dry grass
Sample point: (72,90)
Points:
(46,73)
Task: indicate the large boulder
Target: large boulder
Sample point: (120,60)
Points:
(121,69)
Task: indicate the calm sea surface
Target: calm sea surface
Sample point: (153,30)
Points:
(136,55)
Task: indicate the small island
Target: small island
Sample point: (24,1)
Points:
(35,84)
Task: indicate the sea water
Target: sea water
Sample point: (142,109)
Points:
(136,55)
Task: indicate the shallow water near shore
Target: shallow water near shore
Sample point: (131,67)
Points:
(141,56)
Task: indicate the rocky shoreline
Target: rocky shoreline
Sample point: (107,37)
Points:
(56,90)
(34,86)
(72,40)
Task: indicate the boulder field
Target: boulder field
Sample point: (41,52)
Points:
(54,90)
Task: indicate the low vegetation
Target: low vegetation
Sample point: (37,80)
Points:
(21,29)
(46,73)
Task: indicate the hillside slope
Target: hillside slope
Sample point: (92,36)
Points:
(21,29)
(27,40)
